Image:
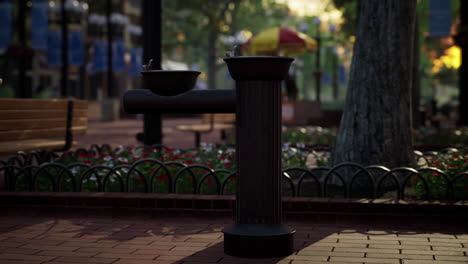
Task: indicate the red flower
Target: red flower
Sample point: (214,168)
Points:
(83,155)
(162,178)
(87,161)
(453,167)
(169,151)
(145,156)
(435,174)
(139,179)
(227,165)
(208,181)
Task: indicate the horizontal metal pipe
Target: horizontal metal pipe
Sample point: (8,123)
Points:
(198,101)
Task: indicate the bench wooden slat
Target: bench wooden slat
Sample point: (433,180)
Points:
(31,124)
(79,130)
(15,103)
(80,112)
(38,133)
(31,114)
(219,118)
(22,124)
(80,104)
(32,144)
(19,103)
(203,127)
(210,122)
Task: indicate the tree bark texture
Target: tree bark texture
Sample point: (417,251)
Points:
(416,85)
(376,123)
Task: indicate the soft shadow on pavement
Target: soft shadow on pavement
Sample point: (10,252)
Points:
(302,240)
(175,239)
(196,239)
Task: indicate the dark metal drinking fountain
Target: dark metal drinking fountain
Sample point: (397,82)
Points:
(258,230)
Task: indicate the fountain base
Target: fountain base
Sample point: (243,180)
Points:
(258,240)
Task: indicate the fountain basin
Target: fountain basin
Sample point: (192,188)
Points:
(169,83)
(258,67)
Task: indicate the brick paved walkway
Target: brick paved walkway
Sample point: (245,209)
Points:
(63,239)
(123,132)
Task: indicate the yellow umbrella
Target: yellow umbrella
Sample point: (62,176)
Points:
(280,40)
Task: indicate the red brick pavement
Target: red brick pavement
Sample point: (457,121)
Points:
(64,239)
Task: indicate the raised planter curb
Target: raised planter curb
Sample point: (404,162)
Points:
(314,209)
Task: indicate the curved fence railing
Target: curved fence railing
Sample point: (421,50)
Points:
(40,171)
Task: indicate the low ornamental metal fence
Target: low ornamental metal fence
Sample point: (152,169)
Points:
(43,171)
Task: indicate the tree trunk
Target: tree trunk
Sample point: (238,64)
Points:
(376,124)
(416,85)
(212,37)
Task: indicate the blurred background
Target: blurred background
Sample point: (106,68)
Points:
(36,61)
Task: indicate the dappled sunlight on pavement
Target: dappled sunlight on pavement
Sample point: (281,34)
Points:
(29,238)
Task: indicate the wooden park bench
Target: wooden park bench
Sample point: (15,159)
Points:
(210,122)
(40,124)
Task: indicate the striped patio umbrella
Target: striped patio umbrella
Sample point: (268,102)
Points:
(280,40)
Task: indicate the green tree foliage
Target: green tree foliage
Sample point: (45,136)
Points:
(349,8)
(192,30)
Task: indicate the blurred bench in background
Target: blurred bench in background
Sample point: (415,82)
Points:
(210,122)
(39,124)
(301,113)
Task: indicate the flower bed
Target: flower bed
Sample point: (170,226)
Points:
(211,170)
(139,169)
(441,137)
(310,135)
(441,170)
(424,138)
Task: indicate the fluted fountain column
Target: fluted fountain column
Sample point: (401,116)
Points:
(258,231)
